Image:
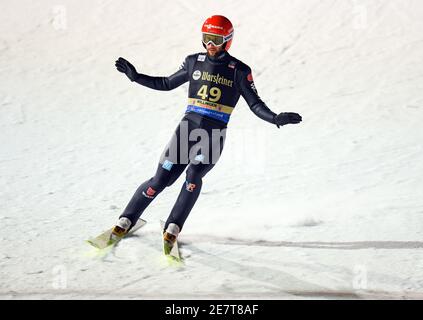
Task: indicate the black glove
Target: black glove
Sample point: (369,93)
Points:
(127,68)
(287,117)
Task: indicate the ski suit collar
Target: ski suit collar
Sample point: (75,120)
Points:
(221,57)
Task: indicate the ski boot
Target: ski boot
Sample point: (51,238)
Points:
(169,237)
(120,229)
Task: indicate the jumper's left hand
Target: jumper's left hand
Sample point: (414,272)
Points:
(287,117)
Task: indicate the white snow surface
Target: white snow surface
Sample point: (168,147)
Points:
(331,208)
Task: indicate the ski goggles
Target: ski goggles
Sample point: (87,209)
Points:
(215,39)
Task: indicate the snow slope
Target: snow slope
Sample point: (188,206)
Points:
(330,208)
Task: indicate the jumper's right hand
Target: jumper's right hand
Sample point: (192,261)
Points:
(127,68)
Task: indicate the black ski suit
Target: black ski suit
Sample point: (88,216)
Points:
(215,85)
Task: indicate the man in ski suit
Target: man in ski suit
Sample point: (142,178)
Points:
(216,81)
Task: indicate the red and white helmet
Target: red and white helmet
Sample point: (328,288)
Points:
(217,30)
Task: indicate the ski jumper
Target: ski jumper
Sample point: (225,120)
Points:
(215,85)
